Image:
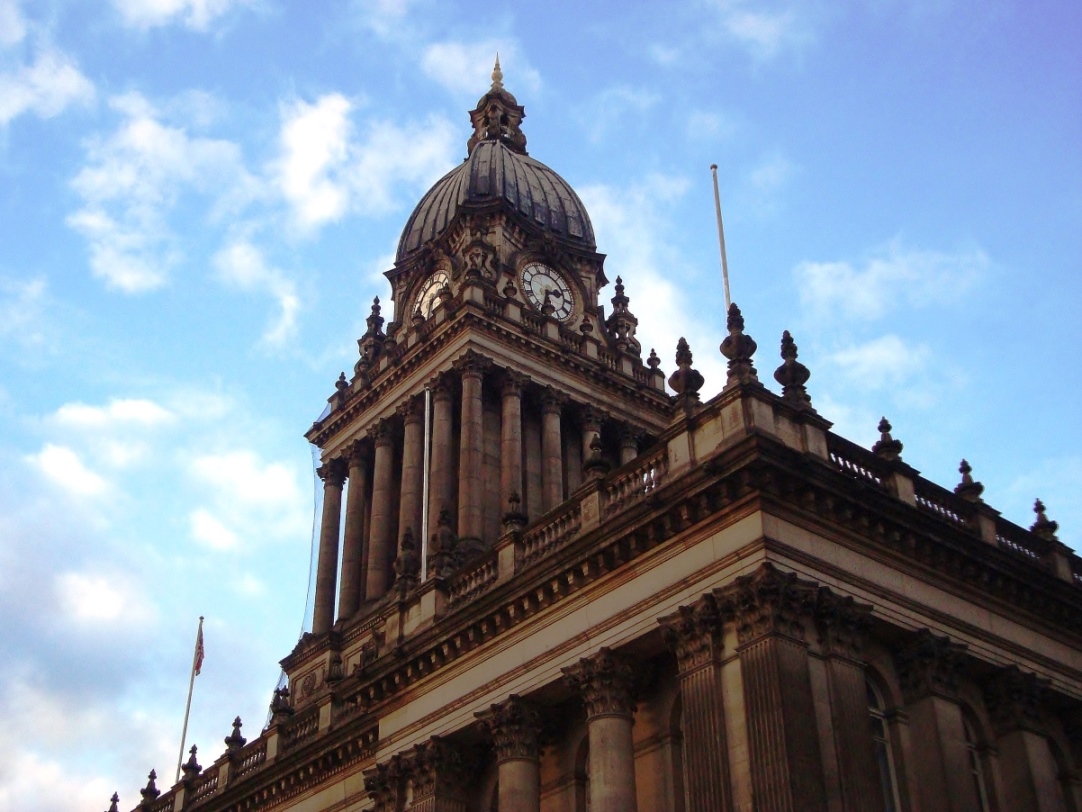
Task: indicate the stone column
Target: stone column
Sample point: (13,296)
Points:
(606,684)
(511,440)
(351,590)
(769,608)
(381,544)
(629,444)
(552,462)
(694,634)
(1030,780)
(441,484)
(413,473)
(515,726)
(928,668)
(471,449)
(333,474)
(439,775)
(843,626)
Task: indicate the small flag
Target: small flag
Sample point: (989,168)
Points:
(199,648)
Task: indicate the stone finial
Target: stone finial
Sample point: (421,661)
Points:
(685,381)
(595,466)
(792,375)
(514,518)
(653,361)
(497,75)
(738,348)
(371,344)
(1044,527)
(441,559)
(969,489)
(887,447)
(548,308)
(234,741)
(622,323)
(497,117)
(280,707)
(191,767)
(150,792)
(113,803)
(407,565)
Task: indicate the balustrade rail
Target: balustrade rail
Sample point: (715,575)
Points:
(551,536)
(250,758)
(532,322)
(205,785)
(1018,541)
(165,802)
(301,729)
(857,462)
(473,581)
(623,489)
(944,504)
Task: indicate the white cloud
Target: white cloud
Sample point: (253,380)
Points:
(63,466)
(95,599)
(608,108)
(118,413)
(466,67)
(242,265)
(208,530)
(22,310)
(12,24)
(325,170)
(133,180)
(764,29)
(45,88)
(386,18)
(194,14)
(897,275)
(886,362)
(766,181)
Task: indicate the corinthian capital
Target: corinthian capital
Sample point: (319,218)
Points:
(694,633)
(929,665)
(1014,699)
(332,472)
(472,364)
(515,728)
(606,682)
(843,623)
(767,602)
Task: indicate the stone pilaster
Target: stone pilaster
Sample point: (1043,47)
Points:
(769,609)
(843,625)
(552,461)
(511,438)
(694,633)
(1015,701)
(383,523)
(413,474)
(606,683)
(515,728)
(471,450)
(929,668)
(333,474)
(351,589)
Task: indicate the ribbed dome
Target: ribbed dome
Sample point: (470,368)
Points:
(495,171)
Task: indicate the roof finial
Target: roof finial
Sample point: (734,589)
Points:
(497,74)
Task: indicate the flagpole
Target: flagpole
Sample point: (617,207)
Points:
(188,707)
(721,236)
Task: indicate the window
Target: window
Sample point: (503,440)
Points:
(884,758)
(976,763)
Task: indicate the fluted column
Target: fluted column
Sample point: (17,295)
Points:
(606,684)
(413,438)
(381,547)
(769,608)
(511,440)
(351,589)
(333,474)
(629,444)
(515,727)
(552,463)
(843,625)
(1014,699)
(471,450)
(928,668)
(441,484)
(694,633)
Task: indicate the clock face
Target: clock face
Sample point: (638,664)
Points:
(541,282)
(428,299)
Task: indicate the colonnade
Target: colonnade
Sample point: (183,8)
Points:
(486,426)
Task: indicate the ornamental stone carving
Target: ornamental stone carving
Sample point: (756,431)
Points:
(333,472)
(843,624)
(436,768)
(381,784)
(606,682)
(515,728)
(767,602)
(694,633)
(929,665)
(1014,700)
(471,364)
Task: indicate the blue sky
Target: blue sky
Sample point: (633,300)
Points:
(198,197)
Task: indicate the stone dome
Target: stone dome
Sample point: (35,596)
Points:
(499,169)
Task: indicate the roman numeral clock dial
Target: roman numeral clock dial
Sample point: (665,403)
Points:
(541,282)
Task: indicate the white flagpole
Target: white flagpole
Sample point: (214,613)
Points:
(721,236)
(191,685)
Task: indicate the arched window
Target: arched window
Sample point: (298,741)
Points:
(884,757)
(977,766)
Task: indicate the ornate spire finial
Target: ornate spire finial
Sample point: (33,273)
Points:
(150,791)
(792,375)
(969,489)
(113,803)
(739,349)
(234,741)
(685,381)
(1043,527)
(497,116)
(888,448)
(653,361)
(622,324)
(497,74)
(191,767)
